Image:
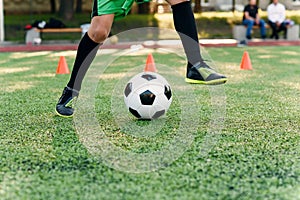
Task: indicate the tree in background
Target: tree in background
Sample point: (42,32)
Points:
(198,6)
(79,6)
(144,8)
(53,6)
(66,9)
(233,5)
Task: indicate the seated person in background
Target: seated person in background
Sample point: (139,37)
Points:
(252,18)
(276,17)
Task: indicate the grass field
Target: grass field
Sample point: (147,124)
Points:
(256,156)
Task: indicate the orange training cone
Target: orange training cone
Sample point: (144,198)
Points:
(246,62)
(150,65)
(62,67)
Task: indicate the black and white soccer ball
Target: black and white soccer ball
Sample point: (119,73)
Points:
(148,95)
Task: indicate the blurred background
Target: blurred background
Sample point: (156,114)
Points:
(215,18)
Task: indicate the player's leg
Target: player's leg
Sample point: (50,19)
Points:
(184,22)
(87,49)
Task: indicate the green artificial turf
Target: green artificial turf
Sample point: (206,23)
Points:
(255,154)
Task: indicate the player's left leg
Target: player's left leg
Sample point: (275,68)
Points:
(197,70)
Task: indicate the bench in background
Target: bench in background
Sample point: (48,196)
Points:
(239,32)
(33,36)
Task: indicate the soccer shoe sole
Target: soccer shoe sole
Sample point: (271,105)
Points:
(64,116)
(211,82)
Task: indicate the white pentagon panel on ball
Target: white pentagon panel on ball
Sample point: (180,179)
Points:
(140,80)
(163,101)
(145,112)
(134,101)
(156,88)
(160,79)
(136,81)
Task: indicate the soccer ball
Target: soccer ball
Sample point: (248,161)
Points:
(148,95)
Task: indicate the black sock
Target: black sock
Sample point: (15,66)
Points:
(185,25)
(86,53)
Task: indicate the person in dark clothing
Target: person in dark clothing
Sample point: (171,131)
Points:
(252,18)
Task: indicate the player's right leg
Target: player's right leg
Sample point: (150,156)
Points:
(87,49)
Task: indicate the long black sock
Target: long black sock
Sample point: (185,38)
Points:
(86,53)
(185,25)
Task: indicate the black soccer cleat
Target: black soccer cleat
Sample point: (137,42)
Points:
(64,107)
(201,73)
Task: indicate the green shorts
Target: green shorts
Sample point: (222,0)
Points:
(118,7)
